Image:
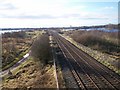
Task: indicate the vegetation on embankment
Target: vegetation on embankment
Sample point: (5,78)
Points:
(108,57)
(37,71)
(106,42)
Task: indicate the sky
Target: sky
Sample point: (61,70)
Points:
(57,13)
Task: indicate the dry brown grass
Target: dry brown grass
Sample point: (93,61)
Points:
(13,47)
(32,76)
(106,42)
(111,61)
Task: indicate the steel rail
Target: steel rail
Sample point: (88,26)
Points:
(80,67)
(88,64)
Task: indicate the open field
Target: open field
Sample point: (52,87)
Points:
(15,45)
(38,70)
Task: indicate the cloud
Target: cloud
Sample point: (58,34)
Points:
(42,16)
(6,6)
(95,18)
(52,12)
(28,16)
(107,8)
(65,17)
(48,16)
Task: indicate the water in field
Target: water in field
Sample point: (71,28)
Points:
(103,29)
(5,31)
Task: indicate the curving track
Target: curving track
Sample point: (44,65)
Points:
(88,72)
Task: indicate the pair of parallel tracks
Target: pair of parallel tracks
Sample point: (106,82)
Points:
(88,73)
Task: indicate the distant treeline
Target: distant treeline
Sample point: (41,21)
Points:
(20,34)
(109,26)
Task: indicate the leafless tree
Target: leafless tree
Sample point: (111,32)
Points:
(41,49)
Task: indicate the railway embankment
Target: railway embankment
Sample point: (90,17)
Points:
(108,60)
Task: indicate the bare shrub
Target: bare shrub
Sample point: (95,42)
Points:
(20,34)
(104,41)
(41,49)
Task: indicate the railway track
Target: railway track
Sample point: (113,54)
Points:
(88,73)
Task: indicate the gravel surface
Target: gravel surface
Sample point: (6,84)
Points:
(111,62)
(69,80)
